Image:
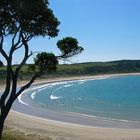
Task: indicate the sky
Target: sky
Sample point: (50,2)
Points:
(107,29)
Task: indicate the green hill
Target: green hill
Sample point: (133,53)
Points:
(92,68)
(88,68)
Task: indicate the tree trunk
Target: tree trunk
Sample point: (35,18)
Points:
(1,127)
(4,113)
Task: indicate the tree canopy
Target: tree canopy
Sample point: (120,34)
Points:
(69,47)
(33,17)
(46,61)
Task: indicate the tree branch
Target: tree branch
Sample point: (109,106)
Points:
(28,38)
(29,83)
(8,78)
(26,55)
(18,44)
(13,95)
(38,74)
(1,48)
(13,40)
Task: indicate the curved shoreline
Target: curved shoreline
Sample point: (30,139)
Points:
(74,118)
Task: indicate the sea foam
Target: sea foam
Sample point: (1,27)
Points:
(52,97)
(21,101)
(33,95)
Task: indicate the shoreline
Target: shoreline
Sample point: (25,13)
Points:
(71,78)
(74,78)
(131,132)
(74,114)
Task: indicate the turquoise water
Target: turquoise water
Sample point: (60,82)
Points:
(117,98)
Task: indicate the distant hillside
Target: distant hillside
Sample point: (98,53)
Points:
(88,68)
(92,68)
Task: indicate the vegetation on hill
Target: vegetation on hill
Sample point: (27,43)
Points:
(88,68)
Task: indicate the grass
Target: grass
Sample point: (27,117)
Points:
(10,134)
(89,68)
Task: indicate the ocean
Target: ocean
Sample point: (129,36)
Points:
(111,97)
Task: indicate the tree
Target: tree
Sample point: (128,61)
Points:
(1,64)
(23,20)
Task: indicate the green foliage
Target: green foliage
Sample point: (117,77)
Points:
(47,61)
(69,47)
(32,16)
(31,67)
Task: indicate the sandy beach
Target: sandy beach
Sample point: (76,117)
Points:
(66,131)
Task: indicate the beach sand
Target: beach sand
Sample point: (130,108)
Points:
(66,131)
